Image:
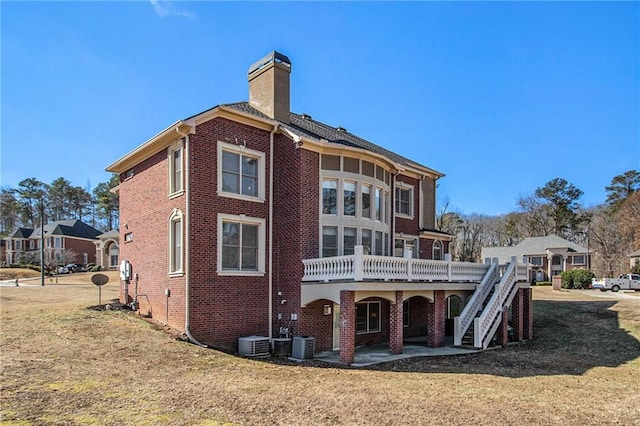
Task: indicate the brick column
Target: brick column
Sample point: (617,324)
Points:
(436,314)
(517,311)
(395,324)
(528,313)
(502,335)
(347,326)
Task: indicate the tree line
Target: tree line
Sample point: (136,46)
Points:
(611,230)
(34,200)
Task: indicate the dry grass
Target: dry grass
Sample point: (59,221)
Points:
(65,363)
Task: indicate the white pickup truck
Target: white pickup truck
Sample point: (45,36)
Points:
(623,282)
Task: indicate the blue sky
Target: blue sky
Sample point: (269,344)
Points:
(500,96)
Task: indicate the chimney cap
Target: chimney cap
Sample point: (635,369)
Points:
(273,57)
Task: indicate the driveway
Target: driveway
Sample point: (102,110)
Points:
(628,295)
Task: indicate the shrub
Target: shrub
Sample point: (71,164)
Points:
(544,283)
(95,268)
(576,278)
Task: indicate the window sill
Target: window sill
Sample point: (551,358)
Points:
(241,197)
(404,216)
(176,274)
(240,274)
(175,194)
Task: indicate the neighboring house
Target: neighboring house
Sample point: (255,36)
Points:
(65,241)
(249,219)
(108,250)
(3,251)
(634,259)
(545,256)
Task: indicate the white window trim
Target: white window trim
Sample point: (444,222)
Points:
(414,240)
(242,150)
(404,187)
(176,216)
(177,145)
(433,246)
(536,257)
(243,219)
(573,259)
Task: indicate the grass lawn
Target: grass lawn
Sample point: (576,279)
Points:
(64,362)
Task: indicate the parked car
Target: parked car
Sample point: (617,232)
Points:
(75,267)
(62,270)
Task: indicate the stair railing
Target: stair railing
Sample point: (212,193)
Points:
(462,323)
(486,325)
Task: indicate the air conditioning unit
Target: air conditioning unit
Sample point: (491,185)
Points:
(303,347)
(253,346)
(281,347)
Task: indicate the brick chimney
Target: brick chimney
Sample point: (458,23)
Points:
(269,86)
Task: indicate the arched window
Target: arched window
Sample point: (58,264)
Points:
(176,252)
(437,250)
(114,252)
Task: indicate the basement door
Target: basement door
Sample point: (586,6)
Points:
(336,327)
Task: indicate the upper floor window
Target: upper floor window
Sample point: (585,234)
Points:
(535,260)
(241,172)
(349,200)
(329,196)
(176,253)
(176,163)
(404,200)
(437,250)
(241,244)
(57,242)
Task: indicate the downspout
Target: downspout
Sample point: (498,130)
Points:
(186,239)
(392,243)
(275,129)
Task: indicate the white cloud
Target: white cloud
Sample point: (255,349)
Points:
(165,8)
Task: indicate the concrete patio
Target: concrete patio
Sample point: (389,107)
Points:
(370,355)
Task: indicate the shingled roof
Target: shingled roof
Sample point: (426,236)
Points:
(304,126)
(68,228)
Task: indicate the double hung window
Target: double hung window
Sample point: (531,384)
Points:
(241,243)
(241,172)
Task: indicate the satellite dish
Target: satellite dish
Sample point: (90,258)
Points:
(99,279)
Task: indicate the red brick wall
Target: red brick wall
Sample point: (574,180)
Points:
(395,324)
(436,314)
(317,324)
(347,326)
(417,317)
(296,237)
(80,247)
(223,308)
(408,226)
(145,209)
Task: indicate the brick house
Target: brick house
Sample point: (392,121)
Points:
(544,256)
(249,219)
(108,250)
(65,241)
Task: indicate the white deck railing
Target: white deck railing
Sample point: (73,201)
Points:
(361,267)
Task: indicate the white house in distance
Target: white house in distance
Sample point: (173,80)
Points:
(545,256)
